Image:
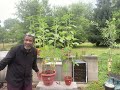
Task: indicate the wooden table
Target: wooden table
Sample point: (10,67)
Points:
(57,85)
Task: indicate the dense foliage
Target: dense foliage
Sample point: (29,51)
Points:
(66,25)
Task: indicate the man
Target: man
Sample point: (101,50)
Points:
(21,60)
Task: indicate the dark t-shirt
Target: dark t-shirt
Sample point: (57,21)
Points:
(20,64)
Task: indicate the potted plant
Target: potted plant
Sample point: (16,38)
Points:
(67,63)
(49,55)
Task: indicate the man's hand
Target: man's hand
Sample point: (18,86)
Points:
(39,75)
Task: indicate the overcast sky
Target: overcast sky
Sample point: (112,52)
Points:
(7,7)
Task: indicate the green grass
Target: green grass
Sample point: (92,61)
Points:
(102,53)
(6,46)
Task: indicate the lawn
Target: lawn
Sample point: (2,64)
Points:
(6,46)
(90,49)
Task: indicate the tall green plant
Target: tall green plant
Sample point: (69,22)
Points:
(39,27)
(69,30)
(55,32)
(110,35)
(66,59)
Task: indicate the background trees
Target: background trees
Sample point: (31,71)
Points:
(2,36)
(102,12)
(67,25)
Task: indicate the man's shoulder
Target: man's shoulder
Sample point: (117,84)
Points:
(16,47)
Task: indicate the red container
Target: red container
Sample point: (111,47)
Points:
(48,78)
(68,80)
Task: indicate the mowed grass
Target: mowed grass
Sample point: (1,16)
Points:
(6,46)
(91,49)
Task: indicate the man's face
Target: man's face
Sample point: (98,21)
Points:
(28,42)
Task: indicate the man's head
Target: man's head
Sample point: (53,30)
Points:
(28,41)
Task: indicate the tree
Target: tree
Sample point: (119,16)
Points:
(25,9)
(109,33)
(32,8)
(14,30)
(94,34)
(116,15)
(82,14)
(60,24)
(102,13)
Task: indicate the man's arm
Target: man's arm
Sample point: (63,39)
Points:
(34,66)
(7,59)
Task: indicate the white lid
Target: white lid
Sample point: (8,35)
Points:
(109,85)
